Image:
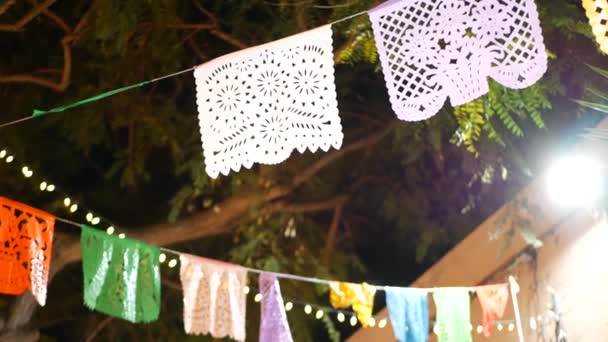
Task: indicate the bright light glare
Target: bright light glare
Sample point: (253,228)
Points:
(575,181)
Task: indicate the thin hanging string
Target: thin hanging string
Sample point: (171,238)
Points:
(37,113)
(277,274)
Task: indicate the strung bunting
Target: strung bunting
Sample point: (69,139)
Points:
(432,49)
(453,314)
(273,326)
(408,309)
(26,242)
(359,296)
(597,13)
(214,301)
(259,104)
(493,300)
(121,276)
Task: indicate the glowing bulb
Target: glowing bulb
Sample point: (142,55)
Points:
(341,317)
(382,323)
(470,327)
(319,314)
(479,329)
(27,172)
(532,323)
(436,329)
(288,306)
(73,208)
(371,322)
(67,202)
(575,181)
(95,220)
(42,186)
(246,290)
(172,263)
(308,309)
(162,257)
(50,188)
(500,327)
(110,230)
(9,159)
(511,326)
(353,321)
(258,298)
(2,154)
(89,217)
(122,236)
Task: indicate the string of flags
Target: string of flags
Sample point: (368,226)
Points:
(259,104)
(122,279)
(110,258)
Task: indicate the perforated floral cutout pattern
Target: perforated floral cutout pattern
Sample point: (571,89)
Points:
(26,242)
(259,104)
(214,300)
(121,276)
(597,13)
(432,49)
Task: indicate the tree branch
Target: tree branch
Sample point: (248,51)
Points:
(33,13)
(332,234)
(8,4)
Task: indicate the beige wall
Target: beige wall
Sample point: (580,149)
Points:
(573,261)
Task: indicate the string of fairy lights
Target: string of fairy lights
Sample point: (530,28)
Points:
(342,316)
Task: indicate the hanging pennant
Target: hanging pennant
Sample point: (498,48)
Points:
(214,300)
(493,300)
(408,309)
(259,104)
(359,296)
(453,314)
(432,49)
(26,242)
(121,276)
(273,325)
(597,13)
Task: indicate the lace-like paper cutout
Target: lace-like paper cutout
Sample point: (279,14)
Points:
(121,276)
(597,13)
(432,49)
(259,104)
(214,301)
(26,241)
(273,326)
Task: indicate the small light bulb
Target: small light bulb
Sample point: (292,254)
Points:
(27,172)
(172,263)
(470,327)
(246,290)
(532,323)
(436,329)
(511,326)
(73,208)
(308,309)
(353,321)
(499,327)
(2,153)
(258,298)
(162,257)
(89,217)
(371,322)
(50,188)
(341,317)
(122,236)
(319,314)
(42,186)
(95,220)
(10,159)
(110,230)
(67,202)
(479,329)
(382,323)
(288,306)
